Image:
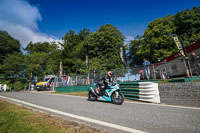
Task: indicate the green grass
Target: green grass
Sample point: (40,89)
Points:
(17,119)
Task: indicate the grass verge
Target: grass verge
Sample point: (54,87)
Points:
(17,119)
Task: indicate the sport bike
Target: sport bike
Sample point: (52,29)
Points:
(111,93)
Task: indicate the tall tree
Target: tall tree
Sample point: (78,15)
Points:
(156,42)
(43,58)
(8,45)
(37,64)
(188,25)
(102,47)
(14,68)
(54,57)
(73,53)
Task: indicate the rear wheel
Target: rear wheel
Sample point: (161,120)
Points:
(91,96)
(117,98)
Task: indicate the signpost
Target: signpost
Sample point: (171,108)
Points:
(87,64)
(179,43)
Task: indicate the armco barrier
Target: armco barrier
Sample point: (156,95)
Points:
(141,91)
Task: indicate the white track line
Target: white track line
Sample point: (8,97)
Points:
(77,116)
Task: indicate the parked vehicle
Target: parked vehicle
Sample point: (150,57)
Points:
(46,83)
(111,94)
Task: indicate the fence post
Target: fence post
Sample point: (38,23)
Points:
(76,80)
(154,74)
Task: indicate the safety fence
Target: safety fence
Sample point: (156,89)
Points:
(164,70)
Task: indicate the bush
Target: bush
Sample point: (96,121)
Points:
(18,86)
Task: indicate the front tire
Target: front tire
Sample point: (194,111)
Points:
(91,96)
(117,99)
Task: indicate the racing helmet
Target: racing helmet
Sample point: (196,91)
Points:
(109,73)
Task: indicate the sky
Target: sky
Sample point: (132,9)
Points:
(48,20)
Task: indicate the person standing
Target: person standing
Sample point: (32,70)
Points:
(194,63)
(95,72)
(65,78)
(146,65)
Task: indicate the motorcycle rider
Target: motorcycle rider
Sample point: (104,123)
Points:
(104,82)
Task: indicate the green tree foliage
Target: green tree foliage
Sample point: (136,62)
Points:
(18,85)
(156,42)
(8,45)
(102,47)
(14,68)
(188,25)
(43,58)
(73,53)
(12,63)
(37,64)
(53,60)
(38,47)
(133,48)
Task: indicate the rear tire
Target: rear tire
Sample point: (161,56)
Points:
(117,100)
(91,96)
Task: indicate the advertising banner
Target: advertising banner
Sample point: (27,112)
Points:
(179,43)
(122,55)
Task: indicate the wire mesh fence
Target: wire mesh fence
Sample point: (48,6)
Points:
(164,70)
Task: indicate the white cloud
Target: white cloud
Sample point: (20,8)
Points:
(127,39)
(20,20)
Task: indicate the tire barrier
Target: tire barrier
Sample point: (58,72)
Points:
(141,91)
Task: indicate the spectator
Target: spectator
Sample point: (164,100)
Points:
(146,65)
(194,63)
(95,75)
(65,79)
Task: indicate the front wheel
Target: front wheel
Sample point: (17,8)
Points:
(117,98)
(91,96)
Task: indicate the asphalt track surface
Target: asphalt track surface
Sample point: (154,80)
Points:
(129,117)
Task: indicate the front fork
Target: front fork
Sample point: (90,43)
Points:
(117,94)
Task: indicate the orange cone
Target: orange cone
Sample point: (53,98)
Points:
(86,83)
(163,76)
(187,73)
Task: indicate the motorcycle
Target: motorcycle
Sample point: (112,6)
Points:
(111,94)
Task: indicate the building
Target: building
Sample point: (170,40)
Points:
(175,65)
